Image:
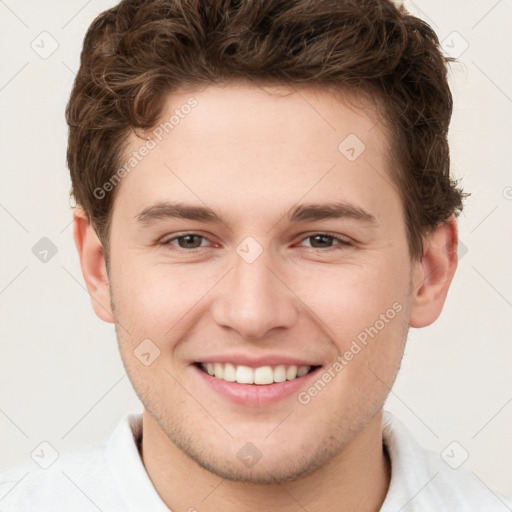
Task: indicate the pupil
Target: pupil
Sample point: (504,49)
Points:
(324,237)
(189,243)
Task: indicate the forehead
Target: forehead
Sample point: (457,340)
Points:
(270,113)
(246,145)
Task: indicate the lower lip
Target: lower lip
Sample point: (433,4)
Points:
(256,395)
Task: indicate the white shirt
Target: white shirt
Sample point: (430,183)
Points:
(110,477)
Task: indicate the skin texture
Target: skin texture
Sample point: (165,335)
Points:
(252,156)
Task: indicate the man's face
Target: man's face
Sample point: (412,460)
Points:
(263,287)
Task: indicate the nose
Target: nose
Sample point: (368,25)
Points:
(253,299)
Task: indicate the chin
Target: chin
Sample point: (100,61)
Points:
(261,472)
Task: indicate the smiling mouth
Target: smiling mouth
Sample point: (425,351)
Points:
(262,375)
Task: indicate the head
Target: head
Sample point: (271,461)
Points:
(209,144)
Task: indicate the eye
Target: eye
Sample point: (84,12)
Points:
(191,241)
(325,241)
(186,241)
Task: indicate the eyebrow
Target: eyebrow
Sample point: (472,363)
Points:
(164,210)
(312,212)
(302,213)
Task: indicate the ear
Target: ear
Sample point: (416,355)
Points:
(433,275)
(92,261)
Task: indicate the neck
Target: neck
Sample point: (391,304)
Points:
(355,479)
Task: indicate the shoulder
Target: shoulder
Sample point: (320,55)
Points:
(69,479)
(421,480)
(99,477)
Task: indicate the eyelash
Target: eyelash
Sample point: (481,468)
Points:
(342,242)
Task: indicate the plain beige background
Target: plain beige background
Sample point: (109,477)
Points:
(61,378)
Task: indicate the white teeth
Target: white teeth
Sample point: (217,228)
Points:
(261,375)
(244,375)
(291,373)
(229,372)
(300,372)
(279,373)
(219,370)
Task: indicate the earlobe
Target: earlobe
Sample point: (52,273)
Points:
(433,275)
(92,262)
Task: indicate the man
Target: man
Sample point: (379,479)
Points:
(264,209)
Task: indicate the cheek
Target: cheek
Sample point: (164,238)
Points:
(153,300)
(350,300)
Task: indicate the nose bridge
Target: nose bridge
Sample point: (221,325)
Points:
(253,300)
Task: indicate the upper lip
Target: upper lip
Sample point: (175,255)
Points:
(257,361)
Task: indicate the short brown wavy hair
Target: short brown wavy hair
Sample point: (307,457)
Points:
(138,52)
